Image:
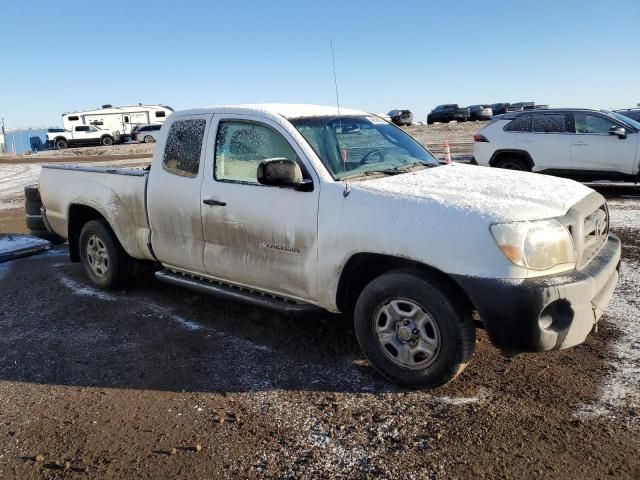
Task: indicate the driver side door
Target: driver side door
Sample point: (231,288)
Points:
(258,236)
(594,150)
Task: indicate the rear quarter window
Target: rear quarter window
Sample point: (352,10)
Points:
(519,124)
(183,147)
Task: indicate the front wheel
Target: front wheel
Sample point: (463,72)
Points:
(413,331)
(149,139)
(107,141)
(104,260)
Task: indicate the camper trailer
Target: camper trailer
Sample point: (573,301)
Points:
(121,119)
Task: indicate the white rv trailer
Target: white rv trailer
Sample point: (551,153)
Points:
(121,119)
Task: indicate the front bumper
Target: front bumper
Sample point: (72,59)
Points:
(546,313)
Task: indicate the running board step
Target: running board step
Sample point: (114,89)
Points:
(234,293)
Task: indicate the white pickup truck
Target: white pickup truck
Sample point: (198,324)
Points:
(81,135)
(301,207)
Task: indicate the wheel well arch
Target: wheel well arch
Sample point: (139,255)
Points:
(363,267)
(60,137)
(106,135)
(78,216)
(510,153)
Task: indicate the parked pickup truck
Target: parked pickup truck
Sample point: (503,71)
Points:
(81,135)
(300,207)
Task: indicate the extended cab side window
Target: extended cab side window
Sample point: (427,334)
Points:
(549,123)
(82,129)
(184,144)
(241,146)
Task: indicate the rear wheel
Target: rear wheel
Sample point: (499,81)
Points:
(513,163)
(61,144)
(106,140)
(412,330)
(104,260)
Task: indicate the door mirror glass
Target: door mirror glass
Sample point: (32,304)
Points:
(280,172)
(620,132)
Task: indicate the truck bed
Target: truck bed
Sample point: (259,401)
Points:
(117,194)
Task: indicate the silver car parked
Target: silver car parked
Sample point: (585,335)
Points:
(146,133)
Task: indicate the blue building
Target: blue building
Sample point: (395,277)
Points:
(24,140)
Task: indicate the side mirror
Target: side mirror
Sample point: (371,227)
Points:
(282,172)
(620,132)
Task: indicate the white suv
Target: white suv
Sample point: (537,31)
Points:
(577,143)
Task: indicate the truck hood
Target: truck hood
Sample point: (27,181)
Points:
(496,194)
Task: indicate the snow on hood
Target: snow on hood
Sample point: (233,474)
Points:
(497,194)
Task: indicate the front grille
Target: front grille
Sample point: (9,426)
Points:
(595,231)
(588,223)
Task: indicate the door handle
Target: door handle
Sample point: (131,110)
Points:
(213,201)
(579,143)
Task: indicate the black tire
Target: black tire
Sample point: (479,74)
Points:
(32,194)
(149,139)
(106,141)
(47,235)
(32,208)
(513,163)
(61,143)
(455,328)
(35,222)
(429,121)
(107,274)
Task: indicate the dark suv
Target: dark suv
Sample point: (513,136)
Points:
(446,113)
(502,108)
(401,117)
(524,105)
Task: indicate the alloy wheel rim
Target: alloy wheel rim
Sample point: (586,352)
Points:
(407,333)
(97,256)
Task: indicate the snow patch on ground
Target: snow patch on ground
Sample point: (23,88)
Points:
(482,397)
(4,270)
(12,243)
(194,326)
(622,385)
(186,324)
(85,291)
(13,179)
(624,214)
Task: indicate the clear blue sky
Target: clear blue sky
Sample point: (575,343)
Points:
(389,54)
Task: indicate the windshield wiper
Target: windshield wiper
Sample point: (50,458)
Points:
(411,166)
(392,171)
(372,172)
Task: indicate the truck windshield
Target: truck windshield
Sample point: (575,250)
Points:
(354,146)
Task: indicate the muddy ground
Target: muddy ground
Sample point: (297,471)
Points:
(157,382)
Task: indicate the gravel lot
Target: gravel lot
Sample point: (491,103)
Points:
(158,382)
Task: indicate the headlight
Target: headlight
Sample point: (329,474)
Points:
(537,245)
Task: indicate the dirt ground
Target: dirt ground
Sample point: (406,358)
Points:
(157,382)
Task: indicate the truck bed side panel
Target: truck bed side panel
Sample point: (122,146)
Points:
(118,195)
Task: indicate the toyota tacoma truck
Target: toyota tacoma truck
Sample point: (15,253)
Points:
(81,135)
(300,207)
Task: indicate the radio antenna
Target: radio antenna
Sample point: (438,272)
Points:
(335,79)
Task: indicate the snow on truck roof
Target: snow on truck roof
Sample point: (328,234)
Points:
(287,110)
